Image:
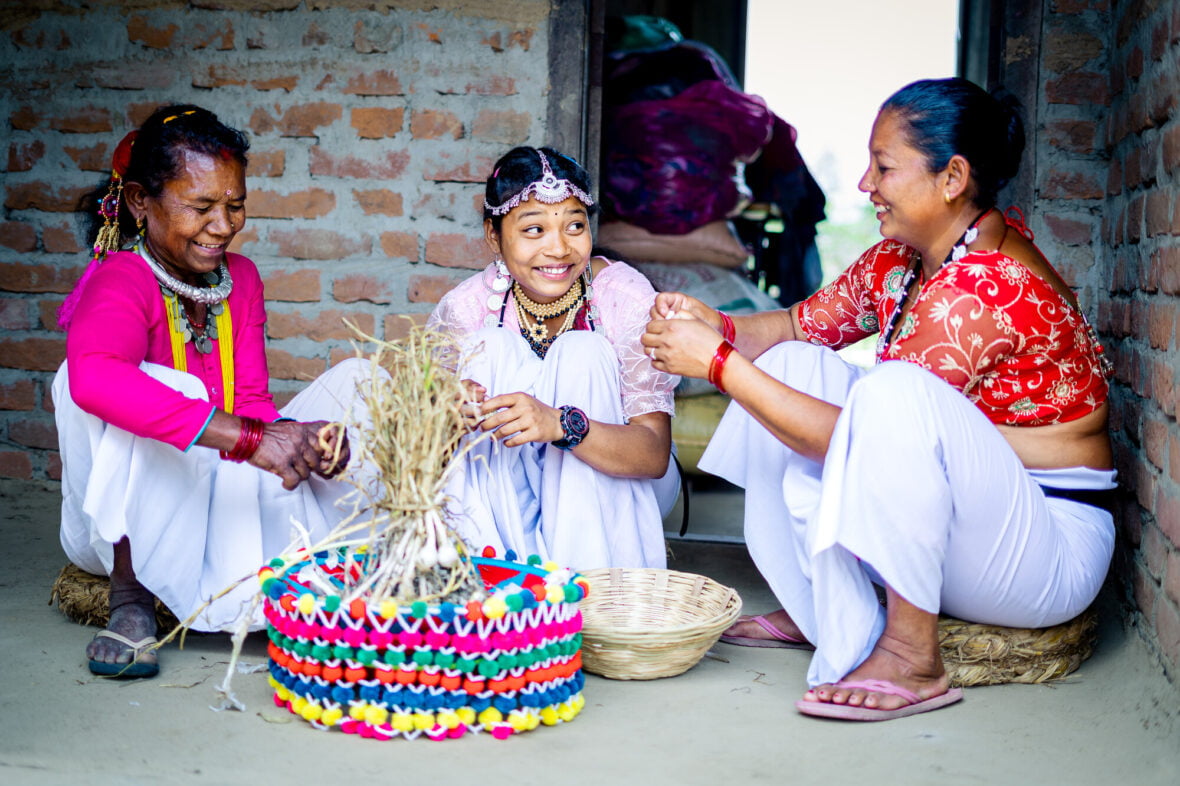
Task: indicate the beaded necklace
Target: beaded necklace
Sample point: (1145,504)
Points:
(957,252)
(536,333)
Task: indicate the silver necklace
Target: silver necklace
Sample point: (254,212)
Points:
(220,282)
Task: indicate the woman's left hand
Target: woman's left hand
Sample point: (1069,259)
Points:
(518,418)
(683,345)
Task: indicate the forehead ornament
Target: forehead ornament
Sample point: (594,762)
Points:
(550,189)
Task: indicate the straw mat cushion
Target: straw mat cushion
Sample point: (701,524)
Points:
(82,597)
(990,655)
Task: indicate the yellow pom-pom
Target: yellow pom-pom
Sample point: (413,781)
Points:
(376,715)
(311,711)
(518,720)
(549,716)
(306,603)
(448,719)
(402,721)
(491,716)
(423,720)
(357,711)
(534,719)
(388,609)
(566,712)
(282,693)
(297,705)
(494,608)
(264,574)
(466,715)
(550,566)
(331,716)
(555,595)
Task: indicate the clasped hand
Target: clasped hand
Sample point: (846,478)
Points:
(682,335)
(294,450)
(515,418)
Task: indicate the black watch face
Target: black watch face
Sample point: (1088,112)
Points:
(577,422)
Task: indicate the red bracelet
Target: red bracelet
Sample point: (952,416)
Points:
(717,366)
(249,438)
(728,331)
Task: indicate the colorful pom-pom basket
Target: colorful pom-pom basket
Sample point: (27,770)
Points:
(648,623)
(504,665)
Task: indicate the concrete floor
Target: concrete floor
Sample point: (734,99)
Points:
(729,720)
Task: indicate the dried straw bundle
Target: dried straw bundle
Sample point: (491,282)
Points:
(990,655)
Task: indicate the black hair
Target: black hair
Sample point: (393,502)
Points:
(948,117)
(157,156)
(521,166)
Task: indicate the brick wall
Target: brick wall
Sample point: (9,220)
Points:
(371,123)
(1101,81)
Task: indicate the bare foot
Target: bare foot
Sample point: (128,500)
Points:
(747,628)
(133,616)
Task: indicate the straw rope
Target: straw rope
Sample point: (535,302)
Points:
(82,597)
(647,623)
(990,655)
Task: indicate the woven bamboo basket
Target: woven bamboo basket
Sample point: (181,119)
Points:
(648,623)
(82,597)
(990,655)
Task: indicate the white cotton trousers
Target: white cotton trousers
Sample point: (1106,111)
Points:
(918,491)
(538,499)
(196,524)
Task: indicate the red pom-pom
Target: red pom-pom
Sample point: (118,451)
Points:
(121,159)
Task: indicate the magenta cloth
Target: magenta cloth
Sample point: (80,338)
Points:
(120,322)
(624,299)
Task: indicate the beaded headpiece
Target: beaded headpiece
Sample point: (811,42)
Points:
(550,189)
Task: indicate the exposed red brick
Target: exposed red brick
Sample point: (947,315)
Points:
(1065,51)
(299,286)
(382,82)
(389,166)
(311,203)
(243,239)
(33,354)
(34,432)
(39,195)
(283,397)
(141,31)
(1069,231)
(379,202)
(1158,213)
(1165,266)
(1155,442)
(358,287)
(1163,385)
(1135,209)
(506,127)
(458,168)
(95,158)
(144,76)
(41,37)
(337,355)
(1173,457)
(374,122)
(18,236)
(456,250)
(268,163)
(319,243)
(53,465)
(14,314)
(435,124)
(16,464)
(399,325)
(1114,178)
(521,38)
(23,156)
(284,365)
(47,396)
(258,76)
(83,120)
(432,34)
(1082,88)
(400,245)
(429,289)
(20,395)
(60,239)
(299,120)
(495,41)
(324,326)
(47,313)
(1167,631)
(1076,136)
(492,85)
(138,112)
(15,277)
(217,35)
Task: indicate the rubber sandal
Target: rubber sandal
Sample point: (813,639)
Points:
(915,705)
(136,669)
(779,639)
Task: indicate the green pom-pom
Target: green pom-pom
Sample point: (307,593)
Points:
(418,609)
(534,559)
(444,659)
(366,657)
(276,563)
(343,652)
(331,603)
(424,657)
(514,602)
(394,657)
(488,668)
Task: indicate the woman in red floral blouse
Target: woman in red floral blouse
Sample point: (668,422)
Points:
(968,472)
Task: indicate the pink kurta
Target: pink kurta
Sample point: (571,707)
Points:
(121,322)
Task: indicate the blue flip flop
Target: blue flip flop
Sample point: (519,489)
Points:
(133,670)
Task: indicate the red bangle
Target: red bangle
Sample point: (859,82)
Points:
(249,438)
(728,331)
(717,366)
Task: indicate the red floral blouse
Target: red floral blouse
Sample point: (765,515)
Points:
(986,324)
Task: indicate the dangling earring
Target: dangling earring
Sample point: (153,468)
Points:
(108,207)
(139,225)
(503,277)
(498,300)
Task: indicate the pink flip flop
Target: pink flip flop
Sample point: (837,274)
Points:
(824,709)
(780,640)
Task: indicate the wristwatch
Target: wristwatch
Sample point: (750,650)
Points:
(575,425)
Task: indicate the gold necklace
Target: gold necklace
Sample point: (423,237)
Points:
(549,310)
(535,331)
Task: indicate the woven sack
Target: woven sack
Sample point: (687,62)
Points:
(991,655)
(82,597)
(648,623)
